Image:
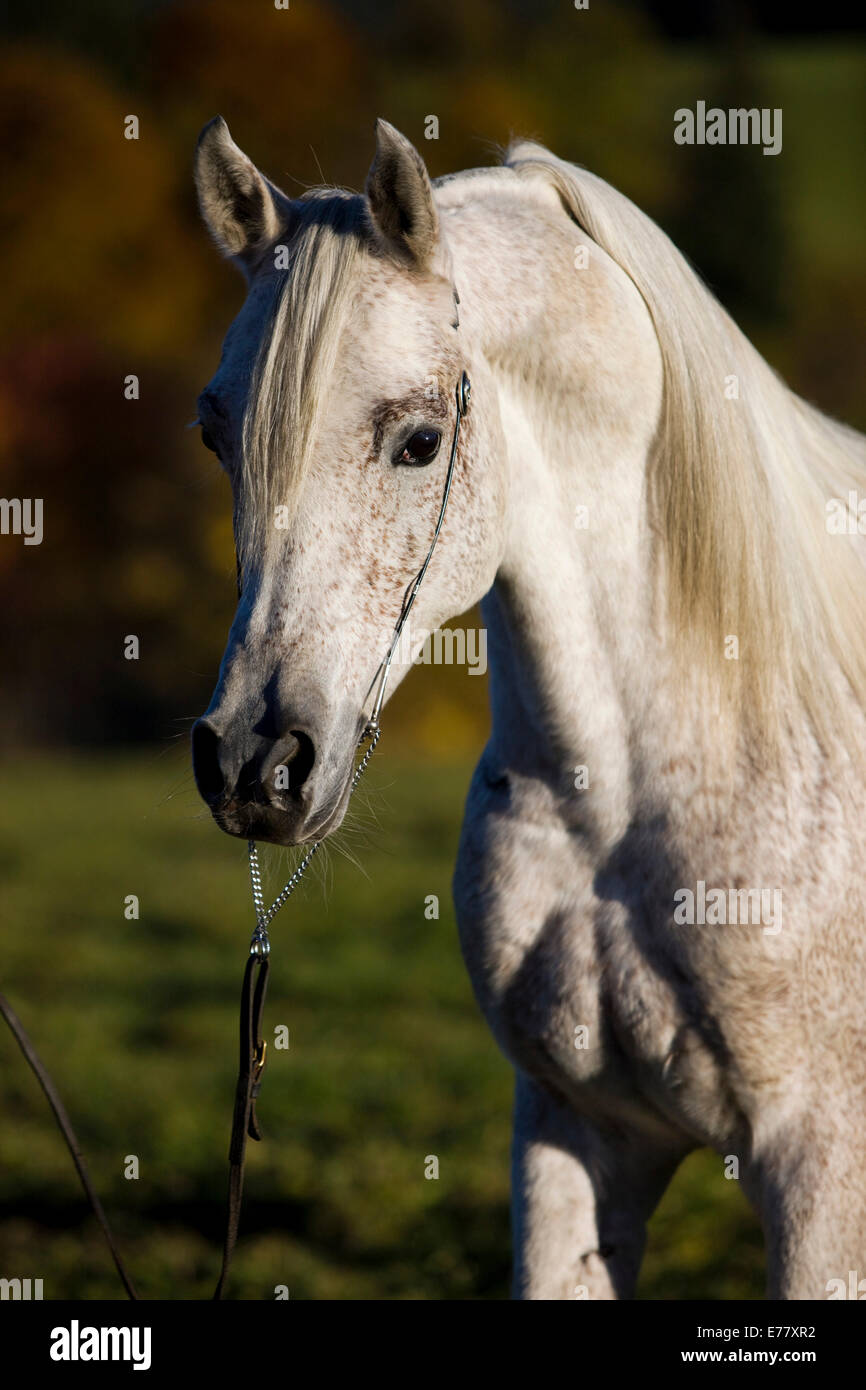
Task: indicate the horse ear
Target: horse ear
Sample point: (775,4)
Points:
(243,211)
(400,198)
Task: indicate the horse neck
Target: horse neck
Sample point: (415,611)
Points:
(569,636)
(586,666)
(572,651)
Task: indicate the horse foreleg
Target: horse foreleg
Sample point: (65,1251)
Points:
(808,1186)
(581,1196)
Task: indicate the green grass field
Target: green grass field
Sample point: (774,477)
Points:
(389,1059)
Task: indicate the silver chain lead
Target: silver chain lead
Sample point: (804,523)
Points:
(260,944)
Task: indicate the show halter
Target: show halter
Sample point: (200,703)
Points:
(253,1048)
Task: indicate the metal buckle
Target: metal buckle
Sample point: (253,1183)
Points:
(260,945)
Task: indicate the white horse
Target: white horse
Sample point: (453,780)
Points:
(660,881)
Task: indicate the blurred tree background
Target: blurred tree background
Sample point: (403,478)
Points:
(108,272)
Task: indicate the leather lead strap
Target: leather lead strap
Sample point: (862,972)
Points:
(244,1123)
(252,1053)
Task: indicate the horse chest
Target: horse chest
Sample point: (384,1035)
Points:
(573,984)
(589,1018)
(544,988)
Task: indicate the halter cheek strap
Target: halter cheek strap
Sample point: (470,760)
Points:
(463,393)
(260,945)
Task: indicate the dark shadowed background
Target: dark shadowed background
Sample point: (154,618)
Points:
(107,272)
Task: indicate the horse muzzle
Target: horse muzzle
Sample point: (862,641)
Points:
(283,791)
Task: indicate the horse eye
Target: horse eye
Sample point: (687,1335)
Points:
(421,448)
(207,441)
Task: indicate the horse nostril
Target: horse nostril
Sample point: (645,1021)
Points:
(289,765)
(303,758)
(205,762)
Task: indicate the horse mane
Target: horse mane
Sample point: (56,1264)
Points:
(738,489)
(292,373)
